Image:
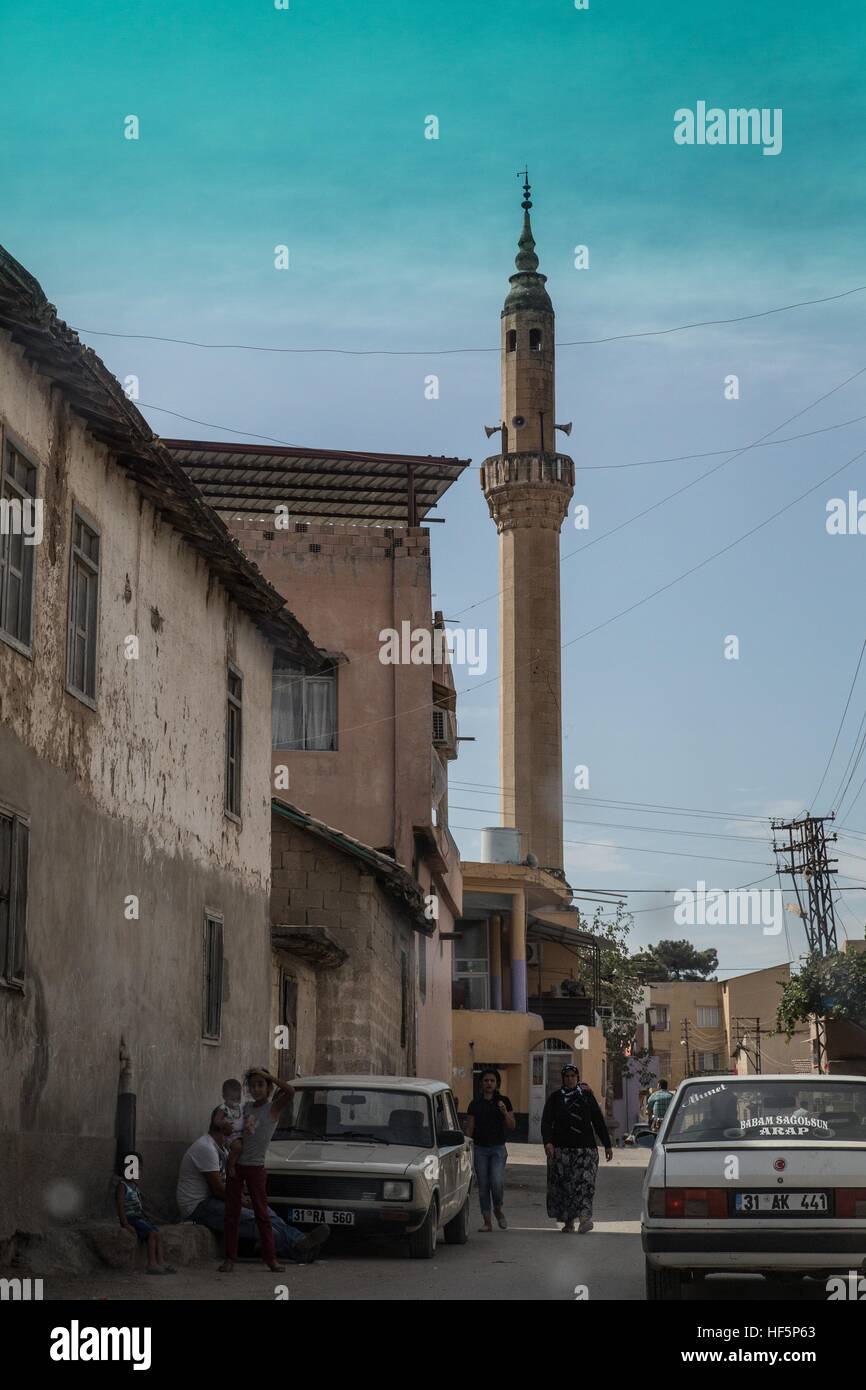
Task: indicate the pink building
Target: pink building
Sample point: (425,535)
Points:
(363,746)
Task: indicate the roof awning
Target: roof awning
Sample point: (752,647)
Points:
(396,489)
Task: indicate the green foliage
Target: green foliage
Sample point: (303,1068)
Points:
(827,987)
(620,985)
(675,960)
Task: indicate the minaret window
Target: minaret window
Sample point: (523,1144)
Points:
(511,340)
(535,339)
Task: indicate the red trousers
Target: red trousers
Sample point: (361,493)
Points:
(256,1181)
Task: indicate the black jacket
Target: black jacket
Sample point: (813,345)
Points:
(573,1124)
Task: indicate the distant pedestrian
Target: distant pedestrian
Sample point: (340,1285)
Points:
(134,1218)
(657,1104)
(489,1117)
(570,1122)
(246,1164)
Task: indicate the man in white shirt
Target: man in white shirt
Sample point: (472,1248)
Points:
(201,1192)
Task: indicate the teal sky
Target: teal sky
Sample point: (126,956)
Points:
(306,127)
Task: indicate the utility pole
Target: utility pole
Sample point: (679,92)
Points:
(684,1042)
(745,1027)
(802,856)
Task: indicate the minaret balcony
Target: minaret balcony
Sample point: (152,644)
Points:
(528,489)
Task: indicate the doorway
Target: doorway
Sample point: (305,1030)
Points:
(546,1063)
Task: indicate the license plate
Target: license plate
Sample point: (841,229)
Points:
(317,1216)
(782,1203)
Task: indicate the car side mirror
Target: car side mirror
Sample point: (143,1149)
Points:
(646,1141)
(447,1138)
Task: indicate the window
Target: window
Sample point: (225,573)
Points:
(17,495)
(444,1113)
(663,1062)
(234,697)
(422,967)
(83,609)
(14,853)
(708,1061)
(213,977)
(286,1056)
(511,340)
(304,709)
(404,998)
(470,987)
(709,1016)
(659,1021)
(535,339)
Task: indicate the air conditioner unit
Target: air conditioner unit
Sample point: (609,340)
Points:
(534,953)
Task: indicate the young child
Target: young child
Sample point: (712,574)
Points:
(246,1164)
(232,1108)
(132,1216)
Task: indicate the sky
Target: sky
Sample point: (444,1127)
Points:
(305,127)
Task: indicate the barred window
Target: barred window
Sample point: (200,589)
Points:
(213,978)
(14,855)
(83,609)
(234,730)
(17,558)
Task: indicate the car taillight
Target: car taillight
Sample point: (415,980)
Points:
(851,1201)
(686,1202)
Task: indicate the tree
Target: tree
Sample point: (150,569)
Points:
(620,987)
(831,986)
(675,960)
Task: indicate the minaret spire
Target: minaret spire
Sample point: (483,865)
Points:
(528,487)
(526,258)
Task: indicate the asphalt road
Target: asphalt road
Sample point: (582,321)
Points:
(532,1260)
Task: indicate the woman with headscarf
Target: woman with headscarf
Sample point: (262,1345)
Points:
(569,1125)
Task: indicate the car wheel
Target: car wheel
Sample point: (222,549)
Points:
(422,1243)
(457,1229)
(663,1283)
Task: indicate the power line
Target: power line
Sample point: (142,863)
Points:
(642,829)
(443,352)
(650,807)
(841,722)
(580,467)
(623,612)
(637,849)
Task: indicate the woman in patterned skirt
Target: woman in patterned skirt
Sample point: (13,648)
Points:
(569,1125)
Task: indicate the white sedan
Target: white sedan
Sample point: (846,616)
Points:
(757,1174)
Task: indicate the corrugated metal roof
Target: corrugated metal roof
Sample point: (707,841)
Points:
(370,488)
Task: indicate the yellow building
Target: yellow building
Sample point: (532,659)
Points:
(700,1027)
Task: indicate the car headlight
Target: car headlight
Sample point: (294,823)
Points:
(397,1191)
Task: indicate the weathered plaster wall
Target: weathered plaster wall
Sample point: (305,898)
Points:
(126,799)
(154,750)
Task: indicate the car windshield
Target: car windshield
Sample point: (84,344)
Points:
(719,1111)
(359,1112)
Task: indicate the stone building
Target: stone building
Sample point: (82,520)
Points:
(364,746)
(136,651)
(349,926)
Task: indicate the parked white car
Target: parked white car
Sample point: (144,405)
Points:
(762,1174)
(374,1153)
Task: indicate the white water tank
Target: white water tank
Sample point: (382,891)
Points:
(500,844)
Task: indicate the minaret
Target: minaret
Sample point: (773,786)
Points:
(528,488)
